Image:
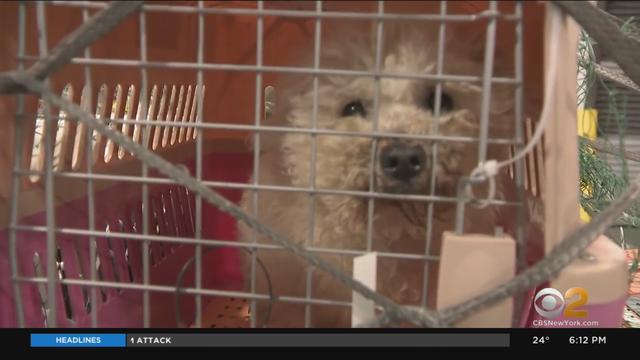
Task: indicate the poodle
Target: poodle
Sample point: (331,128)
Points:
(391,165)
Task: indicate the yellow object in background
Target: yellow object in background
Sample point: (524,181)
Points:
(588,123)
(584,216)
(587,127)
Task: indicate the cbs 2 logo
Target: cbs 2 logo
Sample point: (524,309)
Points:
(550,303)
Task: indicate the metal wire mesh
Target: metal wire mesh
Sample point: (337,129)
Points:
(202,122)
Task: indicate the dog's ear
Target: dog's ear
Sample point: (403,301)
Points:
(466,41)
(469,40)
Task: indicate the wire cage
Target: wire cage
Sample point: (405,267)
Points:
(95,237)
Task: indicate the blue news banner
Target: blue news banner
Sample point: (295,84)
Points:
(78,340)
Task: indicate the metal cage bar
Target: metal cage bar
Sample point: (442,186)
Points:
(256,148)
(199,137)
(90,188)
(519,165)
(436,114)
(146,275)
(15,176)
(314,150)
(48,179)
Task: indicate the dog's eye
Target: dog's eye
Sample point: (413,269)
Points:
(446,102)
(354,108)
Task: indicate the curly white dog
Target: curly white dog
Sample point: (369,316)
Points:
(400,166)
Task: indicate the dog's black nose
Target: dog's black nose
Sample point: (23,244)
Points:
(401,161)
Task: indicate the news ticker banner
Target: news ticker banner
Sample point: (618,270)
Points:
(266,339)
(490,338)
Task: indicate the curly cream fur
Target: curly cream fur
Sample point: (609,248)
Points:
(344,163)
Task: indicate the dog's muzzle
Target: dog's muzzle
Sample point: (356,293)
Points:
(402,162)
